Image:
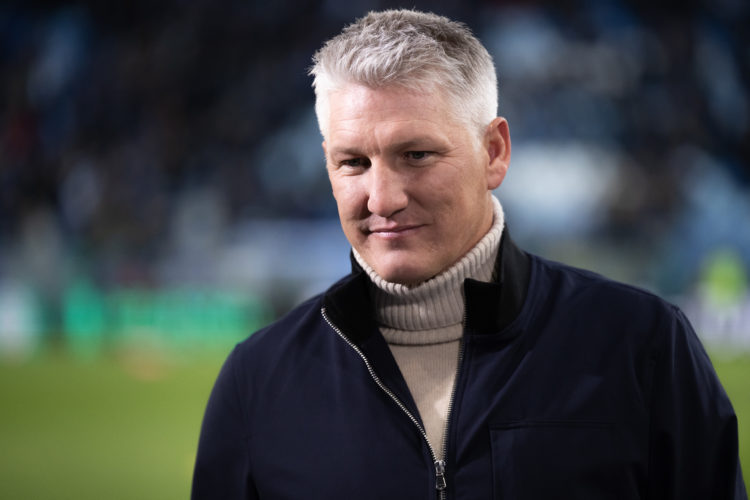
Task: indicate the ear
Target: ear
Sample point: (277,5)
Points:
(497,142)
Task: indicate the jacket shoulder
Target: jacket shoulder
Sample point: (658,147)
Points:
(590,289)
(585,301)
(292,323)
(302,328)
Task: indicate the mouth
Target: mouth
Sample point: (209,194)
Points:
(393,232)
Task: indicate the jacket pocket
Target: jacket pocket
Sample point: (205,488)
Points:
(556,460)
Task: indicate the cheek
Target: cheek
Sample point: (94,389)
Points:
(347,196)
(444,193)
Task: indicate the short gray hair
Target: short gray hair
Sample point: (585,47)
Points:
(414,50)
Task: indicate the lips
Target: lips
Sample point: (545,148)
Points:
(393,229)
(393,233)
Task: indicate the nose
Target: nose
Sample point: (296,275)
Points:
(386,190)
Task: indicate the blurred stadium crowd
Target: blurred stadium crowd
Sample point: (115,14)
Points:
(158,158)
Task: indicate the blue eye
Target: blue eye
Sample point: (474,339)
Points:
(417,155)
(355,162)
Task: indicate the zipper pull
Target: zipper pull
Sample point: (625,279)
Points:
(440,484)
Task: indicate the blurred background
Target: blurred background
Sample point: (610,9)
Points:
(163,194)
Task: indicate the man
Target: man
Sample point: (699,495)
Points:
(451,364)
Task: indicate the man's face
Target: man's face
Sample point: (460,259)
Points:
(411,182)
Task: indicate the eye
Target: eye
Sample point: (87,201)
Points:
(355,162)
(417,155)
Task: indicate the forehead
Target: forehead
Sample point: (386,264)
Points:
(353,100)
(358,109)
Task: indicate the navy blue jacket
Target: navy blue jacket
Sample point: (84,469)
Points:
(569,386)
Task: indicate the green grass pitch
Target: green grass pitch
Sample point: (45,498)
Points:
(127,427)
(111,428)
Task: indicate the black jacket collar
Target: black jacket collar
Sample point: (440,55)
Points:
(490,307)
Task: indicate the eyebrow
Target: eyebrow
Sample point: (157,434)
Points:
(345,151)
(413,143)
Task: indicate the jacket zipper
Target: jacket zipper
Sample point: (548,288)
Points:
(440,483)
(442,491)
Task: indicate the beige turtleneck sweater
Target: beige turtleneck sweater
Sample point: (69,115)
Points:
(423,326)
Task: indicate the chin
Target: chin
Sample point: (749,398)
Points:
(408,277)
(403,267)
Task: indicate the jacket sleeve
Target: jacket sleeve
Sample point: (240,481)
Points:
(222,463)
(693,438)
